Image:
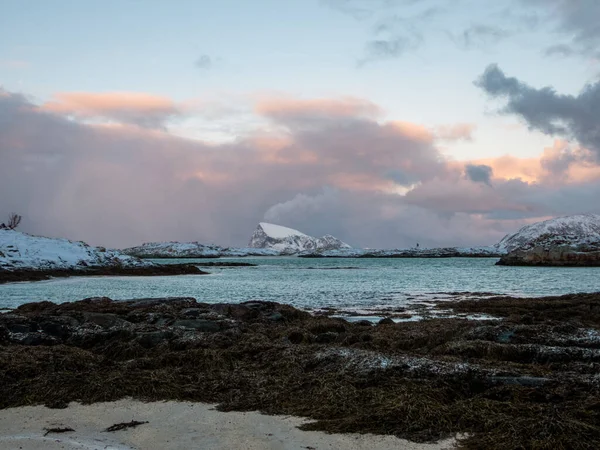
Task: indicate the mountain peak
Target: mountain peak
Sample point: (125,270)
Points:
(290,241)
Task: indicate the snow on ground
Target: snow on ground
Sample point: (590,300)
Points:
(23,251)
(278,231)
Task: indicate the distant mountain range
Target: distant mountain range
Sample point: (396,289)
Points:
(572,240)
(578,233)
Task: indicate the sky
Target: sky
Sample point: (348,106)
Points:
(382,122)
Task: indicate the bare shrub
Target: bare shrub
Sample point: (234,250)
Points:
(13,221)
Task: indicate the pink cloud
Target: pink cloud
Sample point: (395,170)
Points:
(283,107)
(126,107)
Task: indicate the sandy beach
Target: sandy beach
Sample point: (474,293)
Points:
(175,425)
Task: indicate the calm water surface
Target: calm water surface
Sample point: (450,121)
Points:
(314,283)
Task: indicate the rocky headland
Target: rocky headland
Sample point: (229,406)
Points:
(563,241)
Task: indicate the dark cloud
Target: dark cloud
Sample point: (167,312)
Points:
(580,20)
(576,20)
(547,111)
(204,62)
(479,173)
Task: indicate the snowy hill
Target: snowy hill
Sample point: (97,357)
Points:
(289,241)
(174,250)
(575,229)
(563,241)
(193,250)
(19,251)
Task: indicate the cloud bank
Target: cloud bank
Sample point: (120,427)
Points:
(330,165)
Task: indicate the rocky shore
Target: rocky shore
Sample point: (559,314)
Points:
(11,276)
(526,380)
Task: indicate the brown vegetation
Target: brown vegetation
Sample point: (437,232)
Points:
(526,381)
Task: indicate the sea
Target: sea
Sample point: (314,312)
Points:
(313,284)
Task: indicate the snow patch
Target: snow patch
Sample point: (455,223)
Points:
(278,231)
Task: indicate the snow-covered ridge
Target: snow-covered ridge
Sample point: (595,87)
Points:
(581,229)
(288,241)
(174,250)
(20,251)
(193,250)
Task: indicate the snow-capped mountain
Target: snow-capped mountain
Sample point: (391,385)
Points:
(20,251)
(572,230)
(289,241)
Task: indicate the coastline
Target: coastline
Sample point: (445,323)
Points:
(19,275)
(497,383)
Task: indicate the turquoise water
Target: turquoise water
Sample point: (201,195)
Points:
(311,283)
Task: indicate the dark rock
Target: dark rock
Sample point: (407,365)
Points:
(3,335)
(326,338)
(23,327)
(296,337)
(33,339)
(238,312)
(275,317)
(386,321)
(146,302)
(198,324)
(153,338)
(191,312)
(364,323)
(162,321)
(522,381)
(55,328)
(505,336)
(104,320)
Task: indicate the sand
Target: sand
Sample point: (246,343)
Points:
(175,425)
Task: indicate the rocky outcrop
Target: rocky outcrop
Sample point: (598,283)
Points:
(548,250)
(564,241)
(447,252)
(288,241)
(12,276)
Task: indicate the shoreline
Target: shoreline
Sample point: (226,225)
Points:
(497,384)
(20,275)
(175,425)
